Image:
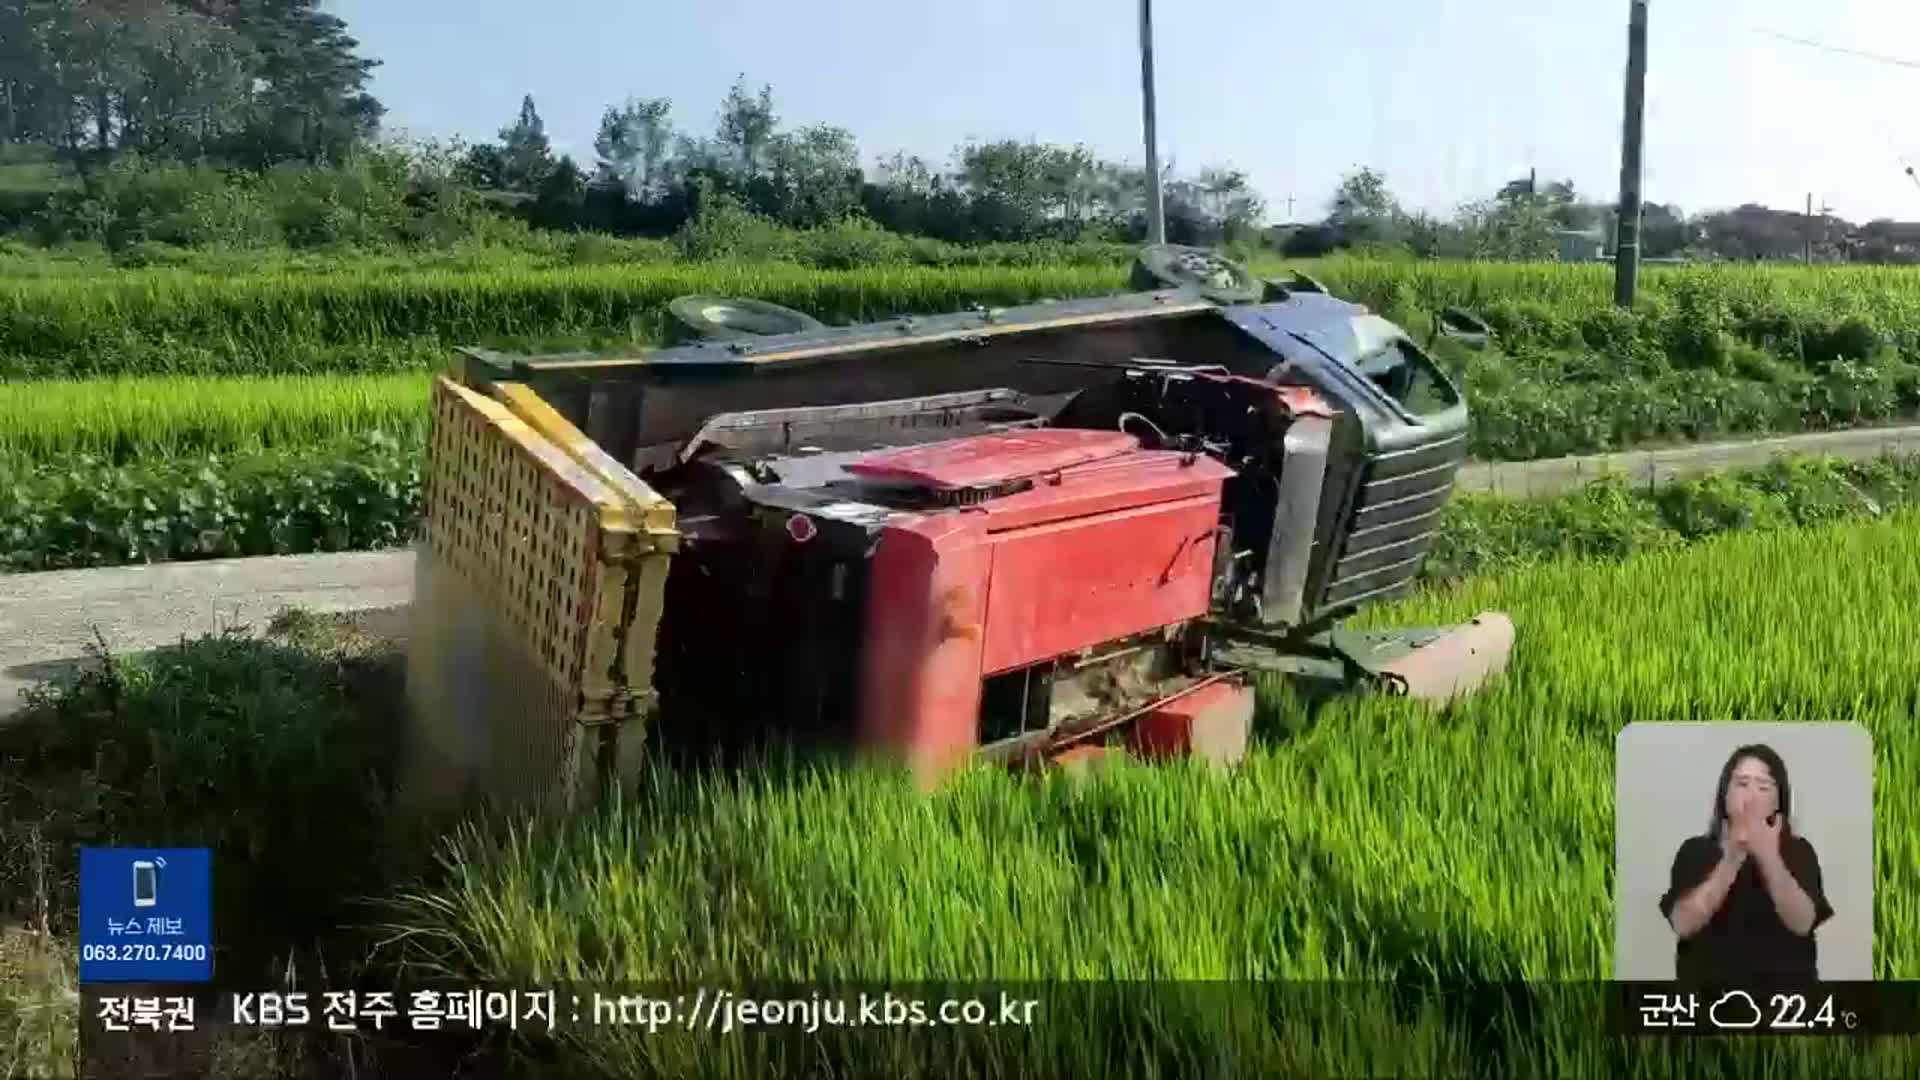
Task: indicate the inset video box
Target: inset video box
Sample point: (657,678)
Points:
(1743,854)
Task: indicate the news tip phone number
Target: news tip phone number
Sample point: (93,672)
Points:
(142,952)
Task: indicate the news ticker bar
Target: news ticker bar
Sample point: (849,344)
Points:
(1858,1009)
(111,1010)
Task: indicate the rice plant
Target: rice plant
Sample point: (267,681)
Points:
(172,323)
(1710,352)
(1437,857)
(121,419)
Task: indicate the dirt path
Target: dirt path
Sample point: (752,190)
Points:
(47,620)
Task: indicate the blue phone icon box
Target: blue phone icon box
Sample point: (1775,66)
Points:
(146,915)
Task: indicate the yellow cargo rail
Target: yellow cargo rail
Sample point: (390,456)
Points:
(537,596)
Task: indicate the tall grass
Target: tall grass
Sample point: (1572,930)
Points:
(1893,292)
(1441,854)
(386,317)
(124,418)
(155,323)
(273,751)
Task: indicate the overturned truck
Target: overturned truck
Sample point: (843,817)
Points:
(1034,534)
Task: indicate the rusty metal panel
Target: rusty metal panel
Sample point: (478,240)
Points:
(520,666)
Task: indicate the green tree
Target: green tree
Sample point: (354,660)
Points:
(30,91)
(1519,223)
(1517,229)
(185,84)
(747,126)
(1431,238)
(1363,211)
(813,175)
(634,144)
(307,98)
(909,174)
(525,155)
(1069,186)
(251,81)
(484,166)
(1227,197)
(911,195)
(1007,181)
(560,201)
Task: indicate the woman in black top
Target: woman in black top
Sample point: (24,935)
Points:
(1746,897)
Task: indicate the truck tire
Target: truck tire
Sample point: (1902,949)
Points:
(724,318)
(1214,276)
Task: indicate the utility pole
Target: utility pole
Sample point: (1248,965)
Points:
(1626,257)
(1808,258)
(1156,211)
(1824,211)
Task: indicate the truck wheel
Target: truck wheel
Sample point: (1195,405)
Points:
(1214,276)
(721,318)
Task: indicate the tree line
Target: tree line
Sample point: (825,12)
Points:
(1525,220)
(650,176)
(252,122)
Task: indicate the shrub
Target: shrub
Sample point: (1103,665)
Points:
(279,759)
(723,228)
(353,496)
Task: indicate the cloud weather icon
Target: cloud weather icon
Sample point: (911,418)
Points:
(1728,1012)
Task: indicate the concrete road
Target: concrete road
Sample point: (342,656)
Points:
(1652,468)
(48,619)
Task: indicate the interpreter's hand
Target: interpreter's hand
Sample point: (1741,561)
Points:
(1733,846)
(1762,834)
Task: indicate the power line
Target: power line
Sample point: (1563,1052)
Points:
(1839,50)
(1858,54)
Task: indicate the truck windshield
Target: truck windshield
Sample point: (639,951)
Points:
(1409,377)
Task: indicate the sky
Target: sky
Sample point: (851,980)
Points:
(1449,99)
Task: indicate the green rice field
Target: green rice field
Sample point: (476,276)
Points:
(170,321)
(129,398)
(1445,854)
(1367,895)
(1712,352)
(128,418)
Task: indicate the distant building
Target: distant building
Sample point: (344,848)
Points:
(1581,245)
